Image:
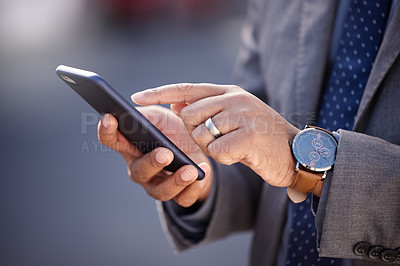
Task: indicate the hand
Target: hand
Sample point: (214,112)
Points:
(253,133)
(147,170)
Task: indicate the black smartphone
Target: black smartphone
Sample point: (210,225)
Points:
(131,123)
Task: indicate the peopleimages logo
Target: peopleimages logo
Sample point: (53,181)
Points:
(128,126)
(89,120)
(254,125)
(96,146)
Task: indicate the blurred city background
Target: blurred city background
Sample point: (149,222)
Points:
(65,199)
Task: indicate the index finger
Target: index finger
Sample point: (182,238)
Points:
(178,93)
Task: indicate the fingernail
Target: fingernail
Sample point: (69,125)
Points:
(161,157)
(136,97)
(187,175)
(205,167)
(105,121)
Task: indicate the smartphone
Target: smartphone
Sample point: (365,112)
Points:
(131,123)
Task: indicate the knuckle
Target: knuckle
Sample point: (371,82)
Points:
(155,93)
(108,140)
(185,113)
(157,193)
(226,121)
(138,169)
(149,161)
(152,160)
(154,194)
(237,99)
(216,149)
(183,88)
(188,115)
(241,97)
(133,174)
(229,162)
(224,160)
(211,150)
(236,88)
(185,201)
(178,182)
(220,154)
(197,133)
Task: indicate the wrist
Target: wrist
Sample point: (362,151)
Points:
(292,161)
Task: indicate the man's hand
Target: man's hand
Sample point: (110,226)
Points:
(252,132)
(147,170)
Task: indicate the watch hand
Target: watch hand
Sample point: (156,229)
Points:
(322,154)
(326,158)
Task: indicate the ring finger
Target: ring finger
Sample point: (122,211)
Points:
(223,121)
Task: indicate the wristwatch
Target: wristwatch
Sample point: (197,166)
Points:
(314,149)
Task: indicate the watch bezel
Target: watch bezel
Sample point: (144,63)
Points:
(296,138)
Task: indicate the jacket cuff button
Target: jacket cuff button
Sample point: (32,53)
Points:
(398,252)
(389,255)
(361,249)
(375,252)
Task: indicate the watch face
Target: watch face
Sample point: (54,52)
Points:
(315,149)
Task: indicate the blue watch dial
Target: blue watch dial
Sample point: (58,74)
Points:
(315,149)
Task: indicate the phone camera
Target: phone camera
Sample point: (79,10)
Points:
(68,79)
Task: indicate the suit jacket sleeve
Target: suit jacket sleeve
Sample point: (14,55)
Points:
(361,202)
(238,187)
(234,209)
(248,72)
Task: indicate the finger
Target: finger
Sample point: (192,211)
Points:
(155,114)
(230,148)
(177,108)
(141,170)
(173,185)
(112,138)
(223,121)
(196,191)
(159,116)
(165,121)
(198,112)
(178,93)
(202,137)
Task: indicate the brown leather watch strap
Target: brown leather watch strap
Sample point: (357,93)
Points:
(307,182)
